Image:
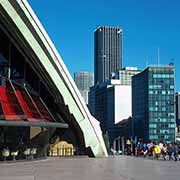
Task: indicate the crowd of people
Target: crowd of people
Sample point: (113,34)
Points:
(157,150)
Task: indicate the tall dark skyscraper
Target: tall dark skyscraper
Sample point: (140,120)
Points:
(107,52)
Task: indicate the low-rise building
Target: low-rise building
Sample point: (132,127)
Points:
(110,102)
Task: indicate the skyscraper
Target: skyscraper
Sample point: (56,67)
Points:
(84,80)
(153,104)
(107,52)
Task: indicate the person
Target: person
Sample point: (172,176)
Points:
(139,149)
(150,146)
(128,147)
(145,149)
(157,151)
(161,145)
(164,151)
(170,151)
(175,151)
(179,151)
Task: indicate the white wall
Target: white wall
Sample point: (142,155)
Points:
(122,102)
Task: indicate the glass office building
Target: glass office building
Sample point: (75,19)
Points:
(153,104)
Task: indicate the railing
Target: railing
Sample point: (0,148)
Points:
(28,153)
(62,151)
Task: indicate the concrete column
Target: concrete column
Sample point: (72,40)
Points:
(122,142)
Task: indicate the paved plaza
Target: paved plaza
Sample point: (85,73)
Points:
(83,168)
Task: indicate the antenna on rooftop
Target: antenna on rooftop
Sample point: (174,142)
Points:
(171,62)
(147,63)
(158,57)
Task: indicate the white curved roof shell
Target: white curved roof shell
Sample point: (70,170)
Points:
(61,77)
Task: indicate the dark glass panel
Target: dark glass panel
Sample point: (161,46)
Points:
(17,64)
(4,53)
(31,78)
(42,108)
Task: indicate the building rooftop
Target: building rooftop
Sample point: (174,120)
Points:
(130,68)
(109,27)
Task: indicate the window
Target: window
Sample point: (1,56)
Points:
(152,131)
(171,86)
(171,120)
(163,92)
(163,120)
(171,125)
(153,137)
(171,75)
(152,125)
(164,131)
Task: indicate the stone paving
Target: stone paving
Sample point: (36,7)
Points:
(83,168)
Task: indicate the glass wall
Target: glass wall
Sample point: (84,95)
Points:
(161,104)
(19,101)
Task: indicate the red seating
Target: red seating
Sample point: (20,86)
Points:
(10,105)
(27,105)
(18,104)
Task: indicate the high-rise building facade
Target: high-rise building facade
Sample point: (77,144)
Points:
(84,80)
(153,104)
(107,52)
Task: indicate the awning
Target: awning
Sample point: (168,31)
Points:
(33,124)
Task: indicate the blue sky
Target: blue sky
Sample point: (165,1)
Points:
(147,25)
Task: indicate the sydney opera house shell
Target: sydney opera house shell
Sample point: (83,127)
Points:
(39,100)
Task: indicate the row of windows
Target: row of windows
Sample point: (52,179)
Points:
(161,114)
(163,75)
(163,86)
(155,86)
(161,103)
(159,97)
(151,125)
(163,92)
(161,70)
(163,82)
(153,137)
(161,120)
(161,109)
(162,131)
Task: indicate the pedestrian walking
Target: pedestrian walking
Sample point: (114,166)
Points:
(164,151)
(157,151)
(175,151)
(150,146)
(170,151)
(145,149)
(179,151)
